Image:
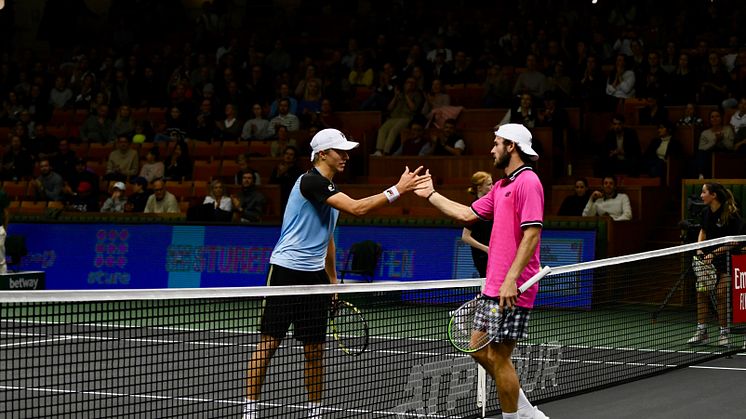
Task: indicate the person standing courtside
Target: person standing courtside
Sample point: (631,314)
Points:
(477,235)
(513,258)
(720,219)
(4,204)
(305,255)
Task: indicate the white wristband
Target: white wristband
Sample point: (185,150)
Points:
(392,194)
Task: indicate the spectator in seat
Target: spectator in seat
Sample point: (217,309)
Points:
(621,83)
(414,142)
(178,166)
(403,107)
(60,96)
(738,120)
(524,112)
(286,173)
(690,118)
(496,88)
(256,128)
(573,205)
(18,163)
(139,198)
(49,185)
(85,200)
(282,140)
(719,137)
(44,144)
(310,104)
(435,98)
(203,128)
(64,159)
(229,128)
(245,167)
(284,93)
(654,113)
(284,118)
(175,120)
(531,81)
(216,206)
(161,201)
(447,142)
(152,168)
(381,95)
(123,162)
(79,174)
(621,150)
(326,118)
(249,203)
(98,127)
(123,124)
(660,150)
(609,202)
(117,201)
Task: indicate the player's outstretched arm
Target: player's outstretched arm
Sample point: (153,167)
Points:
(409,181)
(450,208)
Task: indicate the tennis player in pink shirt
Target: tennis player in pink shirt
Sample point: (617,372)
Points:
(516,206)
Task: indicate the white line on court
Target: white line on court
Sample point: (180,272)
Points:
(704,367)
(205,400)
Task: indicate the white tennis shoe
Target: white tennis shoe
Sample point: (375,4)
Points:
(723,339)
(534,413)
(699,338)
(314,411)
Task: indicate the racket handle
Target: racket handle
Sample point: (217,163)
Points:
(534,279)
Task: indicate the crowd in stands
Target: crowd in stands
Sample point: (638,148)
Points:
(148,100)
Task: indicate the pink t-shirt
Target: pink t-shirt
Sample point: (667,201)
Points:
(514,203)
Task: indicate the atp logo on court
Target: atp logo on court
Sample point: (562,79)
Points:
(439,388)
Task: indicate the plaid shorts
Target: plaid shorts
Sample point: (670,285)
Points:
(514,326)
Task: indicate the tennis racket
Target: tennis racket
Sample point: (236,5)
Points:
(463,331)
(349,327)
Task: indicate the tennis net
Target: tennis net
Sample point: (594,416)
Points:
(185,352)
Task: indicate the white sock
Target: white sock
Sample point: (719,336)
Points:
(249,409)
(513,415)
(701,326)
(314,410)
(523,403)
(724,330)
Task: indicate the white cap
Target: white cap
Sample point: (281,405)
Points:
(120,186)
(330,138)
(520,135)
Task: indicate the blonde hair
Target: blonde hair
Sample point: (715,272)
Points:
(213,184)
(477,179)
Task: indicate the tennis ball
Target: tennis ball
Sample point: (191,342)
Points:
(138,139)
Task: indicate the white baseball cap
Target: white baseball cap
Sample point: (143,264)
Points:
(520,135)
(120,186)
(330,138)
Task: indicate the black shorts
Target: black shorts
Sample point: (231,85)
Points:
(308,314)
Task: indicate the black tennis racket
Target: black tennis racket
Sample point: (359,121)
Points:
(349,327)
(469,335)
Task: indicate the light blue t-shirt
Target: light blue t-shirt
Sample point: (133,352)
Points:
(308,224)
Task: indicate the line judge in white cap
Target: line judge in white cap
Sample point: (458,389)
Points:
(516,206)
(305,255)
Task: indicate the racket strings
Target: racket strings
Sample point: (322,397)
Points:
(349,329)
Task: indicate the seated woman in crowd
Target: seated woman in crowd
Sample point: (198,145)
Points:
(178,166)
(574,204)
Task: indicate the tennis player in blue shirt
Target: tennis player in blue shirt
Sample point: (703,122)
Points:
(304,255)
